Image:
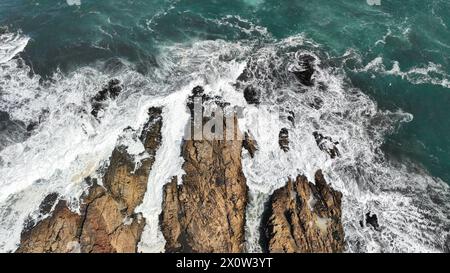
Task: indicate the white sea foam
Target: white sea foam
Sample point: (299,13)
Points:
(69,144)
(11,44)
(367,180)
(431,73)
(73,2)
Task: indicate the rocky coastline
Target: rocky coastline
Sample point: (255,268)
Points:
(206,211)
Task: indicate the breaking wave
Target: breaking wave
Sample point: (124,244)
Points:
(431,74)
(10,45)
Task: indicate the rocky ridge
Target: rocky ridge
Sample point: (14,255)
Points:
(107,222)
(206,213)
(304,217)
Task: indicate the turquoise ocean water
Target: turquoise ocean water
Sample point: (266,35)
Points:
(413,34)
(382,86)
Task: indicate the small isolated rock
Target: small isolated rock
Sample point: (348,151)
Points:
(291,117)
(304,70)
(372,219)
(250,144)
(48,203)
(252,95)
(327,144)
(283,139)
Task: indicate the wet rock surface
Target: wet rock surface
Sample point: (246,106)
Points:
(58,233)
(316,103)
(252,95)
(11,131)
(327,144)
(283,139)
(303,217)
(304,70)
(206,213)
(48,203)
(372,219)
(250,144)
(107,222)
(110,91)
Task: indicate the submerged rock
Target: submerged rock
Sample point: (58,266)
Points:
(107,222)
(206,213)
(372,219)
(48,203)
(303,217)
(316,103)
(250,144)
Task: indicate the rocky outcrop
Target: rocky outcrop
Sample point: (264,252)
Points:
(206,213)
(107,222)
(303,217)
(372,219)
(123,182)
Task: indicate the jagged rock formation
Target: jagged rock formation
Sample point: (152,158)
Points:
(252,95)
(304,70)
(59,233)
(107,222)
(303,217)
(206,213)
(250,144)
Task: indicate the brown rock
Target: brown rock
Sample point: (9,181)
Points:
(58,233)
(207,212)
(104,229)
(126,184)
(107,222)
(304,217)
(250,144)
